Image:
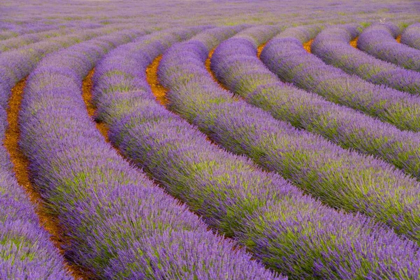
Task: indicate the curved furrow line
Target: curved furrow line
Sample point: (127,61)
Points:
(307,46)
(332,46)
(289,231)
(87,88)
(381,42)
(353,42)
(26,249)
(237,66)
(411,36)
(152,79)
(120,224)
(285,56)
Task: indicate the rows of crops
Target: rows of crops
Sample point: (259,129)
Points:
(217,147)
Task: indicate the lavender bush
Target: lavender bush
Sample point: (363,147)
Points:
(332,45)
(120,224)
(341,178)
(237,66)
(379,41)
(285,56)
(287,230)
(411,36)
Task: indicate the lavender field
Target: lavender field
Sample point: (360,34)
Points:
(209,139)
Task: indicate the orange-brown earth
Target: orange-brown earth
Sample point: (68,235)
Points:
(20,166)
(208,67)
(152,78)
(307,45)
(87,87)
(398,39)
(353,42)
(260,49)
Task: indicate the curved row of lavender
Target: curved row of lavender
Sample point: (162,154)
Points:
(289,231)
(17,64)
(120,225)
(332,46)
(236,65)
(379,41)
(342,178)
(25,248)
(26,251)
(411,36)
(285,56)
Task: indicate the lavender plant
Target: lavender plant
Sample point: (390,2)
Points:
(286,229)
(411,36)
(237,66)
(379,41)
(332,45)
(120,224)
(344,179)
(285,56)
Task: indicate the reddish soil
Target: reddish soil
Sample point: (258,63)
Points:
(152,78)
(353,42)
(260,49)
(307,45)
(87,98)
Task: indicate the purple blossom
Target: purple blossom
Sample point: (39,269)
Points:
(285,56)
(411,36)
(119,223)
(332,45)
(287,230)
(379,41)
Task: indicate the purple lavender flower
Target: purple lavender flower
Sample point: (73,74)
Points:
(332,45)
(379,41)
(119,223)
(285,56)
(287,230)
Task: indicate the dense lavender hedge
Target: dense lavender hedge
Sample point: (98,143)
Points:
(26,251)
(342,178)
(285,56)
(411,36)
(379,41)
(236,65)
(332,45)
(288,230)
(121,225)
(25,248)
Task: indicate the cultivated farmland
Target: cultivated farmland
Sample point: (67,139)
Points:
(207,140)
